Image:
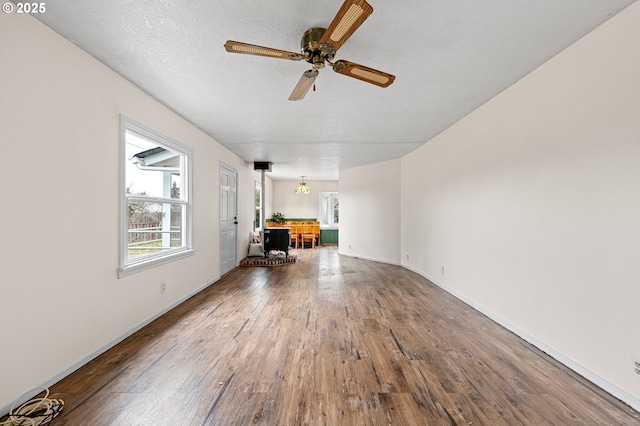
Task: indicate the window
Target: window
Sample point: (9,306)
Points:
(257,221)
(155,198)
(329,210)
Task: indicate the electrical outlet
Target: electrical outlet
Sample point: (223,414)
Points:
(442,270)
(636,366)
(407,256)
(163,287)
(349,246)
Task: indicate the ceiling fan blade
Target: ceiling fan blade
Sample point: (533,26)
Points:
(350,16)
(363,73)
(305,82)
(251,49)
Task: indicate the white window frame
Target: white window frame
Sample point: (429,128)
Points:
(331,196)
(131,266)
(257,227)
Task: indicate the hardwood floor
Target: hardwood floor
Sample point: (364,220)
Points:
(330,340)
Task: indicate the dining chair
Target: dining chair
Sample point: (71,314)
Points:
(307,234)
(295,234)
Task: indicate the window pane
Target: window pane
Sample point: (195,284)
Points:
(176,182)
(176,223)
(257,223)
(153,228)
(151,170)
(324,210)
(329,210)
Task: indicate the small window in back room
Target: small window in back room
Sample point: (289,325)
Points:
(257,221)
(329,210)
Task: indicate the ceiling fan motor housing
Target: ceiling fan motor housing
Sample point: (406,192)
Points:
(314,52)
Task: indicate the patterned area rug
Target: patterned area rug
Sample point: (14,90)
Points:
(274,259)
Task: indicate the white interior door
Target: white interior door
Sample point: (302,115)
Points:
(228,218)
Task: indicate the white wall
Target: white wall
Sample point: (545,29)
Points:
(299,206)
(532,205)
(59,125)
(370,212)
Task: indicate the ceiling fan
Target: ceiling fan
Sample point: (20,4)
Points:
(319,46)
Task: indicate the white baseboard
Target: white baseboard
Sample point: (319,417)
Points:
(568,362)
(388,262)
(31,392)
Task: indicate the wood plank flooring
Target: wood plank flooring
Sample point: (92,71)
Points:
(330,340)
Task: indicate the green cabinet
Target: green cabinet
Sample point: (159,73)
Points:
(328,236)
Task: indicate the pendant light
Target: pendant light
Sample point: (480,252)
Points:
(302,188)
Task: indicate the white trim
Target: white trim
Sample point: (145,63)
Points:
(388,262)
(233,169)
(158,200)
(567,362)
(132,268)
(4,409)
(148,133)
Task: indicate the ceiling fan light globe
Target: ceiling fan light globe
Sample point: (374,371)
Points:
(304,84)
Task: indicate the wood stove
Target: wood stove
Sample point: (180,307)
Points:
(276,239)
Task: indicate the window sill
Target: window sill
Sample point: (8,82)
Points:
(152,263)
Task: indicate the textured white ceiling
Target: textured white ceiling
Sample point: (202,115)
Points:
(449,57)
